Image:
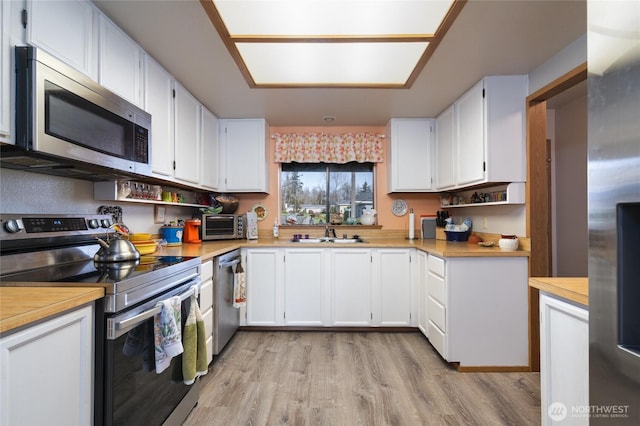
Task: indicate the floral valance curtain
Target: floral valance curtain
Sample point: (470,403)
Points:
(337,148)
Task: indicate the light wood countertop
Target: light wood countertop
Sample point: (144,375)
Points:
(574,289)
(20,306)
(210,249)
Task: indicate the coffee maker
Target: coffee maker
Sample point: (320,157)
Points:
(192,231)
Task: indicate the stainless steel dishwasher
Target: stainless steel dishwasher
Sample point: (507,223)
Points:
(226,318)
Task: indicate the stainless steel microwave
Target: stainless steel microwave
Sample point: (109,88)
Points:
(223,227)
(61,114)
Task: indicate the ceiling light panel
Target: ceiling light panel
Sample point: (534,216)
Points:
(317,18)
(331,63)
(331,43)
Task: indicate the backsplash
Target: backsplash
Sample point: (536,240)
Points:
(24,192)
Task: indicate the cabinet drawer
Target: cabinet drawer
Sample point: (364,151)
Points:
(436,314)
(438,340)
(207,316)
(436,288)
(206,295)
(207,270)
(436,265)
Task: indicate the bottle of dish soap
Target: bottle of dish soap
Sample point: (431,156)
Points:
(276,230)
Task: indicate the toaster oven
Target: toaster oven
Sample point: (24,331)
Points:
(223,227)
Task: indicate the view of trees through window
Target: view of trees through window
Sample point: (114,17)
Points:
(309,191)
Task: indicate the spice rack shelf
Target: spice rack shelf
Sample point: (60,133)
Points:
(109,191)
(506,194)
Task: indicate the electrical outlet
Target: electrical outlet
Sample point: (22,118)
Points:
(484,222)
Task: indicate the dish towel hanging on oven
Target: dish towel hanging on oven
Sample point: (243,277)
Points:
(239,287)
(194,359)
(166,332)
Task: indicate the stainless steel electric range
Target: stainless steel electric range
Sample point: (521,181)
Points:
(58,250)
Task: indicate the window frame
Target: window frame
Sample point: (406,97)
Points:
(328,168)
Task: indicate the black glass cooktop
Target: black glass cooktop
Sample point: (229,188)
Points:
(93,272)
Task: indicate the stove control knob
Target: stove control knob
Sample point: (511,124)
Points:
(13,225)
(105,223)
(93,223)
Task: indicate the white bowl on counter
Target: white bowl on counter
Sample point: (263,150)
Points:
(509,244)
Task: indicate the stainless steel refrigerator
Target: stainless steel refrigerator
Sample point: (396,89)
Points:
(614,211)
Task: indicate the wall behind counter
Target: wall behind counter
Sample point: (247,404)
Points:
(33,193)
(421,203)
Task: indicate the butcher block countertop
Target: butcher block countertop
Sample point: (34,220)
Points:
(574,289)
(210,249)
(20,306)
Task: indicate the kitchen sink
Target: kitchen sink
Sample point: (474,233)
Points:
(328,240)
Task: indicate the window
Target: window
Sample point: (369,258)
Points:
(309,190)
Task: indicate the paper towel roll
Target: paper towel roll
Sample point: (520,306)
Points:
(412,226)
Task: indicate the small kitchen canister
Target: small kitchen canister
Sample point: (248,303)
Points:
(172,234)
(508,242)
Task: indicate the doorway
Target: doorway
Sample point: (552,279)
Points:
(539,205)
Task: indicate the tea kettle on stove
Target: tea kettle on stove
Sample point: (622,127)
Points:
(118,250)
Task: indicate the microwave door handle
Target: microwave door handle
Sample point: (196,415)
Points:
(152,312)
(229,264)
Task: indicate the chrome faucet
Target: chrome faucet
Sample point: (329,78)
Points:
(326,232)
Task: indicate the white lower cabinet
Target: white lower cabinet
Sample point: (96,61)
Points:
(393,287)
(351,303)
(47,372)
(263,270)
(333,287)
(304,287)
(436,305)
(564,361)
(206,304)
(423,312)
(478,310)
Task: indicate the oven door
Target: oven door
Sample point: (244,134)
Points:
(133,392)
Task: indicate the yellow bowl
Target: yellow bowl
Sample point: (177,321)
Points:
(146,247)
(139,237)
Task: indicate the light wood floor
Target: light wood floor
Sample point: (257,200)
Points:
(352,378)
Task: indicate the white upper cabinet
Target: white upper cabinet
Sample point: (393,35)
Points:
(66,30)
(489,137)
(210,151)
(444,145)
(244,155)
(187,151)
(409,154)
(120,62)
(469,135)
(159,103)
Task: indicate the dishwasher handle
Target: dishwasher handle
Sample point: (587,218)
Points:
(228,264)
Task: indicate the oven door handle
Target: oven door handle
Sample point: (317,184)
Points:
(229,264)
(151,312)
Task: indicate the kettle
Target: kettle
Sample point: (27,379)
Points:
(118,250)
(368,216)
